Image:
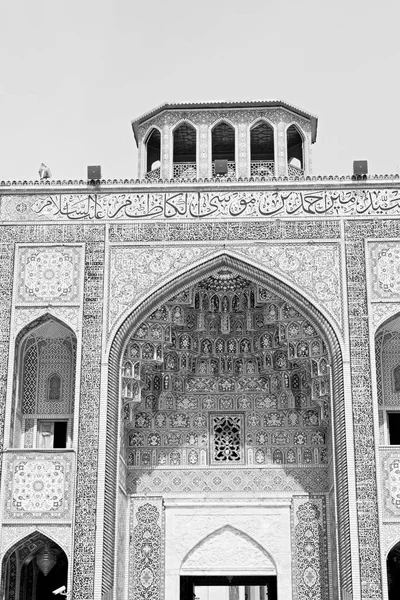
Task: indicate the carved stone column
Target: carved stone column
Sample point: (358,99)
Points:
(281,158)
(307,151)
(234,592)
(203,151)
(166,155)
(242,167)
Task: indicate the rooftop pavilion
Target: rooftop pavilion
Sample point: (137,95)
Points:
(224,140)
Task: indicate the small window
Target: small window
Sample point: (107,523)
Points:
(54,388)
(396,378)
(394,428)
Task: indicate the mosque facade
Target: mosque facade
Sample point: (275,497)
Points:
(200,371)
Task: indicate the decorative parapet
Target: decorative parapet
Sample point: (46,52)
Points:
(38,485)
(193,201)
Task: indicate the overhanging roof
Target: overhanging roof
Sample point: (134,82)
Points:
(216,105)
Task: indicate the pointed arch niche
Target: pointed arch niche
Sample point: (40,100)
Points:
(223,147)
(262,150)
(225,551)
(152,147)
(185,152)
(387,346)
(44,385)
(32,568)
(295,151)
(240,370)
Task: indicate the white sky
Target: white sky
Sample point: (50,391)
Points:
(74,73)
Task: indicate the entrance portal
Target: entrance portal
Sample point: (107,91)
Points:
(228,588)
(33,568)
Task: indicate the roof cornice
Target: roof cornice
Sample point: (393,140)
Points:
(170,106)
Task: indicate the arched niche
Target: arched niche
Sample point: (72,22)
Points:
(204,387)
(393,572)
(178,292)
(184,151)
(295,150)
(387,354)
(223,147)
(262,150)
(44,385)
(153,151)
(228,551)
(32,568)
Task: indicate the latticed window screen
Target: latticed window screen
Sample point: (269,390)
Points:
(227,438)
(30,380)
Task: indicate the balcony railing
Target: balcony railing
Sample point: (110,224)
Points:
(295,171)
(154,175)
(185,171)
(262,168)
(231,170)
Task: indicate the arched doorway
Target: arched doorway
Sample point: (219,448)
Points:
(393,572)
(229,368)
(228,565)
(33,568)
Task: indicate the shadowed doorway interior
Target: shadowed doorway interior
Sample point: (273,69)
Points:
(228,588)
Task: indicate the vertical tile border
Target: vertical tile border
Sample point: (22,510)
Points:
(364,439)
(87,460)
(146,576)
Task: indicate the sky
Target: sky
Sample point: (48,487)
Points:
(74,73)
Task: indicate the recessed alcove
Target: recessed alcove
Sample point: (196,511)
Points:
(225,389)
(226,373)
(33,567)
(45,385)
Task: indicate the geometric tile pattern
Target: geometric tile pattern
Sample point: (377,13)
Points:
(364,438)
(135,270)
(390,359)
(200,231)
(61,534)
(390,474)
(47,274)
(58,234)
(218,231)
(366,492)
(282,423)
(122,534)
(69,315)
(39,486)
(382,311)
(86,477)
(309,549)
(314,268)
(160,481)
(147,549)
(385,268)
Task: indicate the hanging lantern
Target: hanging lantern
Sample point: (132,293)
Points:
(46,559)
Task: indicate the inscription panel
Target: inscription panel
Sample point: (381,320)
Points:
(233,204)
